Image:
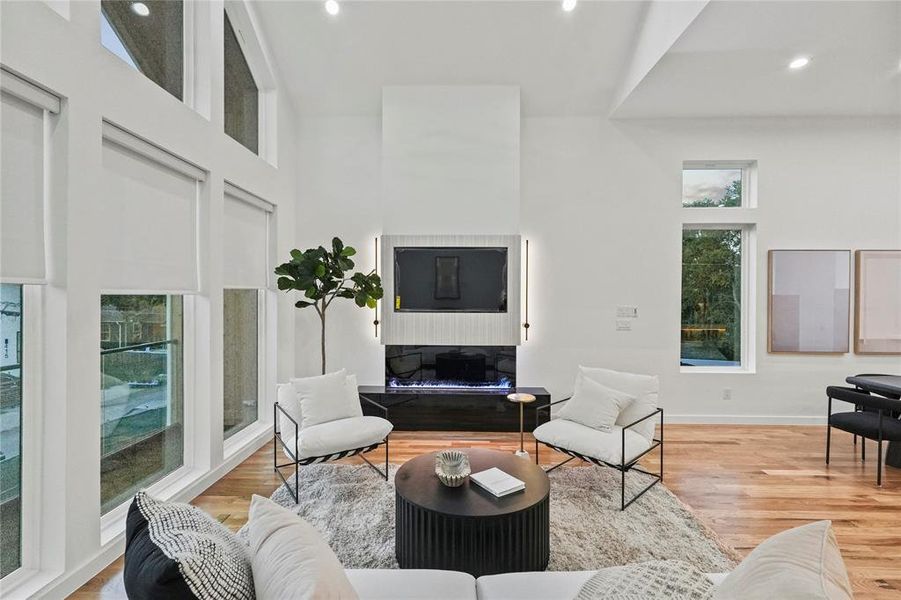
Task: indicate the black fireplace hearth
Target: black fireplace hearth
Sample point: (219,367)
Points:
(450,367)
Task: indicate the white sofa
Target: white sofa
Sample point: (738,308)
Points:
(421,584)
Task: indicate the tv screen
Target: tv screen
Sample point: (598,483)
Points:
(450,279)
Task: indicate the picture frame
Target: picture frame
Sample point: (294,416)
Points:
(809,301)
(877,302)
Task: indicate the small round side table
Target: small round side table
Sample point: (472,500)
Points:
(521,399)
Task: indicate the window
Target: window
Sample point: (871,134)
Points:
(142,395)
(241,359)
(716,185)
(11,422)
(149,36)
(242,97)
(712,297)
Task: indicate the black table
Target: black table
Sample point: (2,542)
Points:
(890,387)
(466,528)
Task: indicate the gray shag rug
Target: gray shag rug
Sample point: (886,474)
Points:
(354,510)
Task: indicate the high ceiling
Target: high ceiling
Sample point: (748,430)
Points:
(729,61)
(564,63)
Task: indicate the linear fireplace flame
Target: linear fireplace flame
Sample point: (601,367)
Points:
(504,383)
(450,367)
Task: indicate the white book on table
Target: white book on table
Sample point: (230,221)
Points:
(498,482)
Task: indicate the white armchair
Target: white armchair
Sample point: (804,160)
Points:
(319,419)
(626,437)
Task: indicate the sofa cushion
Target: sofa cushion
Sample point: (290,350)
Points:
(339,436)
(175,550)
(804,562)
(595,405)
(548,585)
(645,389)
(657,579)
(412,584)
(289,557)
(604,446)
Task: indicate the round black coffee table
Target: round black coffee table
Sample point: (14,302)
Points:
(467,528)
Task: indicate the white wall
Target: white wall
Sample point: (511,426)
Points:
(65,56)
(601,206)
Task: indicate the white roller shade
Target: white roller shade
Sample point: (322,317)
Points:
(148,220)
(21,191)
(246,240)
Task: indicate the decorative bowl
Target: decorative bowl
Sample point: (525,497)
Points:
(452,467)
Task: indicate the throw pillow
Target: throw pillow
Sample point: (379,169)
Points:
(655,579)
(289,401)
(644,388)
(323,398)
(175,550)
(595,405)
(804,562)
(289,557)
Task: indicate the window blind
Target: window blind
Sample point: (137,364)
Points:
(246,245)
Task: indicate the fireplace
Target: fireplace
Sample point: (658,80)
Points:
(450,367)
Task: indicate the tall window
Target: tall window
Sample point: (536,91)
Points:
(149,36)
(142,388)
(10,427)
(242,97)
(715,264)
(241,359)
(711,297)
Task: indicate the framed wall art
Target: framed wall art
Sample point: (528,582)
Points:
(877,298)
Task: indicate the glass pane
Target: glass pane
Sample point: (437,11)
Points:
(711,187)
(10,427)
(149,36)
(142,384)
(241,359)
(241,94)
(711,297)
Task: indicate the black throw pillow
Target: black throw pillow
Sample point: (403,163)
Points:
(177,551)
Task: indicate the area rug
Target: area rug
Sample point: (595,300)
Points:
(354,510)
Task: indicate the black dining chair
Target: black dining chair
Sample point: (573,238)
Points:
(873,418)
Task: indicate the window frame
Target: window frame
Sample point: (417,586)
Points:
(743,218)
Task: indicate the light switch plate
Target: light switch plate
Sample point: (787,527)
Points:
(623,325)
(627,312)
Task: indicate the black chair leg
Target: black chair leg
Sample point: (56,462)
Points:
(879,464)
(828,441)
(863,449)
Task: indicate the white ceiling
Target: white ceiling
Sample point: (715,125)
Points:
(564,63)
(731,61)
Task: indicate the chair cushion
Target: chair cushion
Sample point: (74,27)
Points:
(338,436)
(595,405)
(644,388)
(604,446)
(412,584)
(867,425)
(324,398)
(290,559)
(289,401)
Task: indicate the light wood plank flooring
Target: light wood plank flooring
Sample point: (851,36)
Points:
(746,482)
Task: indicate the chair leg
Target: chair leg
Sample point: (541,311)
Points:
(863,449)
(879,463)
(622,495)
(828,441)
(386,456)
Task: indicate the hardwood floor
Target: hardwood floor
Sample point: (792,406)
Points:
(746,482)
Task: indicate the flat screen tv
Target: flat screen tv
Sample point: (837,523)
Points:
(450,279)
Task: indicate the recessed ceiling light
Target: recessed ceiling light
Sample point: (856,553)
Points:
(799,63)
(332,7)
(140,9)
(569,5)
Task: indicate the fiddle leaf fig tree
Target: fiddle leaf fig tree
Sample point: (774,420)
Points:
(322,275)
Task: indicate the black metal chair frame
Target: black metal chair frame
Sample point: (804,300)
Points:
(862,400)
(296,463)
(624,467)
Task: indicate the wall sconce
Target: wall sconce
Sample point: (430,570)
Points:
(526,324)
(375,321)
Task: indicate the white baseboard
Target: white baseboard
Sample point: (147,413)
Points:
(745,419)
(69,582)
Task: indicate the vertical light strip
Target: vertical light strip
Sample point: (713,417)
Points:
(375,321)
(526,324)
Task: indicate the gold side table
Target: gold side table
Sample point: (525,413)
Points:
(521,399)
